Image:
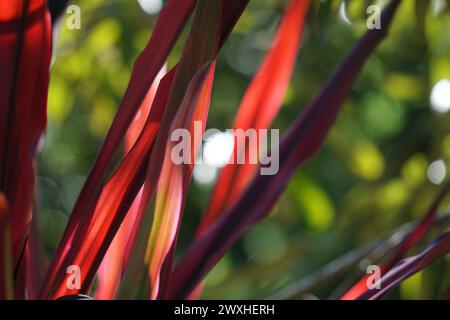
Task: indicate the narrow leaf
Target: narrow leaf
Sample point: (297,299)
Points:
(413,237)
(301,141)
(6,266)
(36,258)
(116,259)
(172,191)
(409,266)
(170,23)
(87,238)
(200,50)
(260,105)
(162,263)
(25,50)
(114,202)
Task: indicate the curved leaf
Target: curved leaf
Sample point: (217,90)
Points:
(89,235)
(301,141)
(6,266)
(25,50)
(408,267)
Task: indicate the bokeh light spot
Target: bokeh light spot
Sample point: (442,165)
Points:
(440,96)
(151,6)
(217,149)
(436,172)
(204,174)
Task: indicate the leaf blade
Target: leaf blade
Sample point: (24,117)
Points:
(25,48)
(408,267)
(116,259)
(173,182)
(410,240)
(6,265)
(90,237)
(263,98)
(295,148)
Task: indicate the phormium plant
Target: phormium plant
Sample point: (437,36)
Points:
(108,235)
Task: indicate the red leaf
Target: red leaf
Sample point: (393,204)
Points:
(301,141)
(6,266)
(116,259)
(260,105)
(410,240)
(87,238)
(231,11)
(87,245)
(25,50)
(192,60)
(173,184)
(35,257)
(408,267)
(258,108)
(170,23)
